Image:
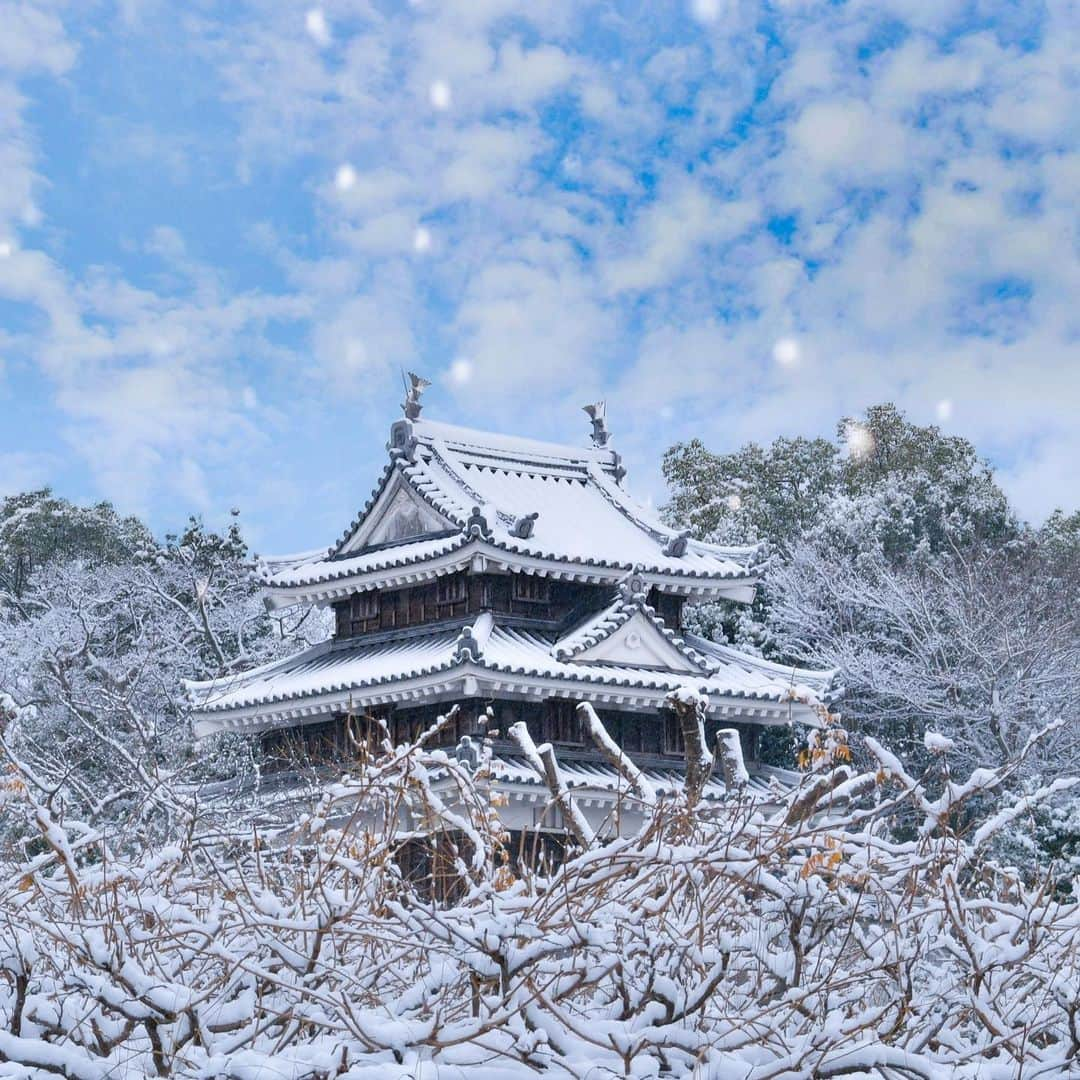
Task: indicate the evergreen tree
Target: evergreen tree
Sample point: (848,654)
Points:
(894,557)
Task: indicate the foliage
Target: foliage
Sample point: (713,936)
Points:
(895,559)
(897,486)
(38,529)
(755,941)
(755,493)
(96,640)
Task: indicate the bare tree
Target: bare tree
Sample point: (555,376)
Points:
(790,938)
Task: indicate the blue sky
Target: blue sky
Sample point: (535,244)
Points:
(224,229)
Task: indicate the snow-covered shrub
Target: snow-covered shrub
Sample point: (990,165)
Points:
(794,940)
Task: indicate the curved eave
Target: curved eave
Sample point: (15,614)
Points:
(483,555)
(824,682)
(472,679)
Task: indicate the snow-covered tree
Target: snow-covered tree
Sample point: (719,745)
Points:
(904,568)
(99,626)
(801,938)
(886,479)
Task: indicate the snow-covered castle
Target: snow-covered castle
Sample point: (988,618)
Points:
(513,578)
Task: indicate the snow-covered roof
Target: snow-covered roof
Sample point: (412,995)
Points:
(594,630)
(451,496)
(486,659)
(591,782)
(587,777)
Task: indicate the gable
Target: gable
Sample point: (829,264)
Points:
(399,515)
(637,643)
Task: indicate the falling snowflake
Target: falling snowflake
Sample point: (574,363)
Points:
(345,178)
(706,10)
(461,371)
(439,95)
(859,439)
(6,249)
(421,239)
(787,353)
(944,410)
(317,27)
(734,502)
(356,355)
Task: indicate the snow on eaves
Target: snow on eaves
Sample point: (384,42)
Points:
(331,673)
(322,570)
(808,683)
(583,517)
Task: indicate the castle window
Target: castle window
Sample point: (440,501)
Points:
(560,723)
(668,607)
(451,595)
(674,743)
(311,744)
(531,589)
(364,612)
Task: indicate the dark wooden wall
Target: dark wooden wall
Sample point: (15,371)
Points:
(520,596)
(653,737)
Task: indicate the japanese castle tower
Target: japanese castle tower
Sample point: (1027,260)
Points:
(513,578)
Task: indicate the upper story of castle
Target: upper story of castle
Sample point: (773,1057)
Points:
(462,521)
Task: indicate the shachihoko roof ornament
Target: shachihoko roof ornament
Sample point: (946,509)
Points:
(598,415)
(414,388)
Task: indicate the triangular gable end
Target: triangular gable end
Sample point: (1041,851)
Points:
(637,643)
(398,515)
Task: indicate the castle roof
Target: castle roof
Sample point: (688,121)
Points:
(451,497)
(626,657)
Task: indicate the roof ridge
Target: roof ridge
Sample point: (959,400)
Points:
(362,513)
(502,445)
(476,499)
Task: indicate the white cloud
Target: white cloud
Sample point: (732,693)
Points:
(618,243)
(847,137)
(21,471)
(34,40)
(669,233)
(529,329)
(166,241)
(486,160)
(364,339)
(523,77)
